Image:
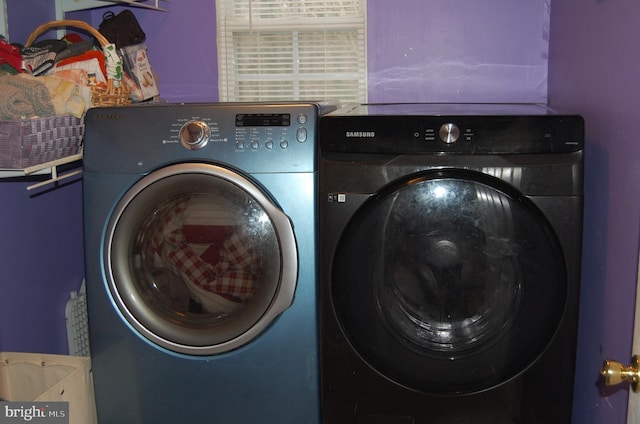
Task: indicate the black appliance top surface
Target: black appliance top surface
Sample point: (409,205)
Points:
(440,109)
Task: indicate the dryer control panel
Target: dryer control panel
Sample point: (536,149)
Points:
(451,129)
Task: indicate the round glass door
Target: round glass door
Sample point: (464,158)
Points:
(449,282)
(199,260)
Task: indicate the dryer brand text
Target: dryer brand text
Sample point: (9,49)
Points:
(360,134)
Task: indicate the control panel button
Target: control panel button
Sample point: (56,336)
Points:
(449,133)
(301,135)
(429,134)
(302,118)
(284,144)
(255,145)
(195,135)
(269,144)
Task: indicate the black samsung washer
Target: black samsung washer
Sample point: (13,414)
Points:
(450,251)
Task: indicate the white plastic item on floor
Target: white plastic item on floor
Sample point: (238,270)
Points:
(55,378)
(75,313)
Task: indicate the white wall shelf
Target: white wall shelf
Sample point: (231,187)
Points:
(4,25)
(63,6)
(50,168)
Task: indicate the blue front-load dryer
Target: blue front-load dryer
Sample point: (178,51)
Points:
(200,262)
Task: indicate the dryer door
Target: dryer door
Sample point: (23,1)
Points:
(198,259)
(449,282)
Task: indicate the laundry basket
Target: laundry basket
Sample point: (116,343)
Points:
(115,93)
(34,377)
(39,140)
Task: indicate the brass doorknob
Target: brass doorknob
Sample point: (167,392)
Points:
(615,373)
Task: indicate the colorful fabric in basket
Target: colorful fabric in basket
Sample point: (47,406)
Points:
(14,104)
(92,62)
(66,97)
(23,98)
(10,57)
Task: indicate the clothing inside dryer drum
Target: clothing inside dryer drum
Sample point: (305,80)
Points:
(200,256)
(450,280)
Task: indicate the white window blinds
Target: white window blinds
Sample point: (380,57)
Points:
(292,50)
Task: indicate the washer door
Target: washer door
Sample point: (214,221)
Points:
(449,282)
(199,260)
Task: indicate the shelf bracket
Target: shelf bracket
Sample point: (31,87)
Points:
(53,170)
(73,5)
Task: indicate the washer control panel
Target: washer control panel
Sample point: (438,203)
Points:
(270,130)
(264,137)
(250,132)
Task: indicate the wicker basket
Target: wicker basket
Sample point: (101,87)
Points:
(115,93)
(39,140)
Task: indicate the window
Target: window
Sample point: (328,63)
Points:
(292,50)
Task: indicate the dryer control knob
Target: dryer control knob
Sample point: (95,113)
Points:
(449,133)
(194,135)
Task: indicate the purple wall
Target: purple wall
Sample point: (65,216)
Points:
(41,261)
(458,51)
(25,16)
(593,71)
(181,46)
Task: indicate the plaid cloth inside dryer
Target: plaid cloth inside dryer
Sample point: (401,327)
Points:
(228,269)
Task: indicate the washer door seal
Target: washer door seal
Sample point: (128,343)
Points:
(449,282)
(198,259)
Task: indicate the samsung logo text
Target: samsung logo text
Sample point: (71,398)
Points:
(360,134)
(109,117)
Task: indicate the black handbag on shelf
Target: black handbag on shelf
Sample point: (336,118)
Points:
(122,29)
